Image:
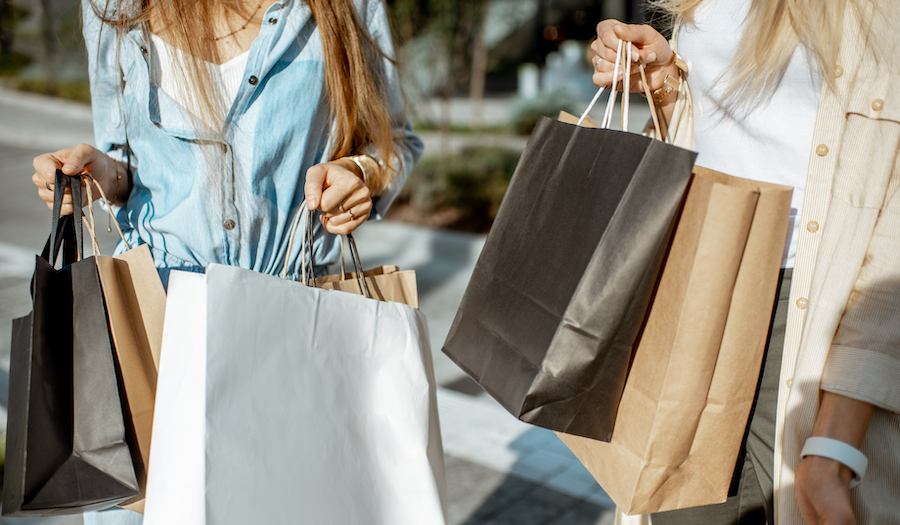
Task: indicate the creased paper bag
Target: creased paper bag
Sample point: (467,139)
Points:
(136,303)
(386,283)
(697,362)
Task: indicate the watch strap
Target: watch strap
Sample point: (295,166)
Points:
(839,451)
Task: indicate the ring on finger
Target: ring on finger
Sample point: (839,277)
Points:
(350,212)
(47,183)
(341,207)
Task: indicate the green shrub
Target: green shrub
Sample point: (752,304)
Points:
(12,62)
(471,183)
(80,91)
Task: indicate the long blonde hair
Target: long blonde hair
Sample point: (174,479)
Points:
(354,80)
(772,31)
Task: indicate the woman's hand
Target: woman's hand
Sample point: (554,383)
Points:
(648,47)
(822,485)
(81,159)
(338,190)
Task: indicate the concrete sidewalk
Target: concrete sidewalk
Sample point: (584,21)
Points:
(499,470)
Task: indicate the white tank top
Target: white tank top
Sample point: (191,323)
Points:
(772,143)
(227,76)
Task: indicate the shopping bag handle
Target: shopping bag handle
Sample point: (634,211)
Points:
(357,265)
(611,101)
(91,222)
(66,228)
(304,216)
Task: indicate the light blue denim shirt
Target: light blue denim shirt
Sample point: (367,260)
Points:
(277,127)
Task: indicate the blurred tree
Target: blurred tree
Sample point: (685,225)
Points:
(456,24)
(456,27)
(48,32)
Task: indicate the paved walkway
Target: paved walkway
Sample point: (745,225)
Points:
(499,470)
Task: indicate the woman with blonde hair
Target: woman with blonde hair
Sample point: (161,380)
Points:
(215,120)
(801,93)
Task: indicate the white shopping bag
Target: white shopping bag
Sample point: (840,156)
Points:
(278,403)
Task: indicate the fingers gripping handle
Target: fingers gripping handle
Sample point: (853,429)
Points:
(611,101)
(60,223)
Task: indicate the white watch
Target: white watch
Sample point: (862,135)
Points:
(840,452)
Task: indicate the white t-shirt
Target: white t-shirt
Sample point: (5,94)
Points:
(228,75)
(772,143)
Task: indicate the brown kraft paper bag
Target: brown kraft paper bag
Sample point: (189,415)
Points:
(696,365)
(136,303)
(386,283)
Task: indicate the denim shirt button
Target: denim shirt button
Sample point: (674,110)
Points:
(273,21)
(229,224)
(253,80)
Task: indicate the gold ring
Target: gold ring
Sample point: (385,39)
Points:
(341,207)
(352,218)
(47,183)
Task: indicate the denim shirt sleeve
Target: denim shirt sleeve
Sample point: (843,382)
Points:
(105,79)
(407,144)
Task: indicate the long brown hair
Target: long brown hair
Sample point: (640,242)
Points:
(354,78)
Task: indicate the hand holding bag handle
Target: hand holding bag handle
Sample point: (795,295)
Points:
(64,226)
(607,115)
(65,232)
(304,215)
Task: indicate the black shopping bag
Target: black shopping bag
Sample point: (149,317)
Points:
(66,449)
(562,285)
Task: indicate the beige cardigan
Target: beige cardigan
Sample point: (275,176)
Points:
(843,331)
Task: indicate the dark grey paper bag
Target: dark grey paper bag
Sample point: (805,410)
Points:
(562,285)
(66,449)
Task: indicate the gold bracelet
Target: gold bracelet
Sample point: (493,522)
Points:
(368,166)
(669,85)
(362,169)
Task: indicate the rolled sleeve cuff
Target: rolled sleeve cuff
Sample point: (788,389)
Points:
(863,375)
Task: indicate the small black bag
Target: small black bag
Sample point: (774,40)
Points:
(66,449)
(559,293)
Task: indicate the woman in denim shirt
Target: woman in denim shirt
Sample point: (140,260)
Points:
(217,179)
(215,121)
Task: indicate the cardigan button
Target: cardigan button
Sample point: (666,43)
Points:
(877,104)
(790,382)
(822,150)
(838,71)
(253,80)
(802,303)
(812,226)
